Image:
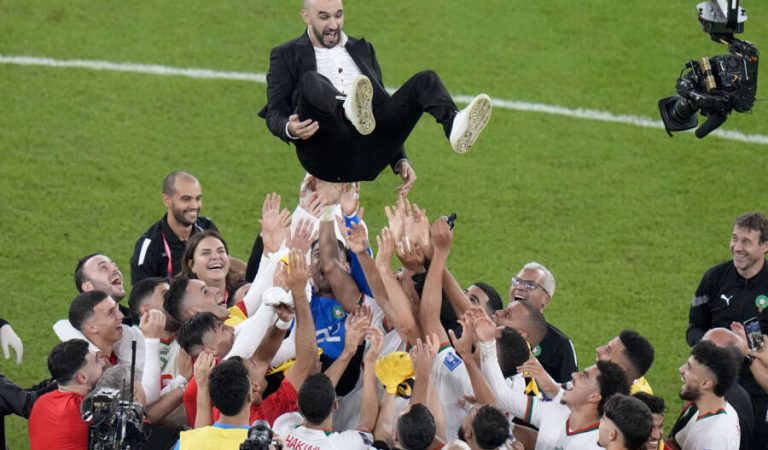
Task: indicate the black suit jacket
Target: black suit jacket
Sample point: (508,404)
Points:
(289,61)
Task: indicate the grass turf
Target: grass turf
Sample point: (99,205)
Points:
(626,218)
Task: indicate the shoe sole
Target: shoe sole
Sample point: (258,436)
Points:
(479,116)
(362,106)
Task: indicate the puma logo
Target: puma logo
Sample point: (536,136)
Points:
(727,299)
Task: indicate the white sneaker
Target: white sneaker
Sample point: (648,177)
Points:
(358,106)
(469,122)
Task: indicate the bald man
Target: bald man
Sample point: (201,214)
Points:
(326,95)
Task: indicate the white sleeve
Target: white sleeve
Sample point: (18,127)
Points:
(250,333)
(262,281)
(150,379)
(287,349)
(516,403)
(123,349)
(353,439)
(66,332)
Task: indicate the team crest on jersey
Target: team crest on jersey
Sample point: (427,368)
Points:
(452,361)
(338,312)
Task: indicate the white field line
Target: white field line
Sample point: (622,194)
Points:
(154,69)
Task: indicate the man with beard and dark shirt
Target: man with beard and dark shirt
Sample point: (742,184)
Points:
(737,291)
(536,285)
(158,251)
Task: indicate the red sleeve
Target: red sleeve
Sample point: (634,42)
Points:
(190,401)
(283,400)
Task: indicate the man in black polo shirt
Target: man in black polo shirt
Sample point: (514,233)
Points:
(183,198)
(736,291)
(535,284)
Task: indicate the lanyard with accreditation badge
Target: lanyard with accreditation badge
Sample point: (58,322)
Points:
(168,254)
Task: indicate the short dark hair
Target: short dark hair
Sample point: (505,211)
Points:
(632,417)
(80,271)
(81,308)
(229,386)
(494,299)
(190,335)
(720,361)
(755,221)
(66,358)
(174,298)
(538,324)
(416,428)
(638,351)
(612,380)
(655,404)
(490,427)
(513,351)
(142,291)
(316,398)
(169,183)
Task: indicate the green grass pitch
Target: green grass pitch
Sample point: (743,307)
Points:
(625,217)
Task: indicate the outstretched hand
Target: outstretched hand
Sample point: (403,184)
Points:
(386,244)
(442,235)
(274,223)
(408,175)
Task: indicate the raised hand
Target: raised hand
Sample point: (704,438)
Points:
(441,235)
(203,366)
(386,244)
(463,345)
(356,237)
(311,203)
(274,223)
(422,359)
(396,217)
(297,273)
(376,337)
(412,257)
(417,229)
(350,198)
(152,324)
(485,328)
(302,236)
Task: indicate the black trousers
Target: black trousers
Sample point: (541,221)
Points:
(337,152)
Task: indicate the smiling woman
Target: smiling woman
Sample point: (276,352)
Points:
(206,258)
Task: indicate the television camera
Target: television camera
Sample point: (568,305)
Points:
(719,84)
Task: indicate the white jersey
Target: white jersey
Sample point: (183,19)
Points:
(450,376)
(714,431)
(303,438)
(551,417)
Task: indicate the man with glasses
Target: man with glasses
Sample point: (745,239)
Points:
(536,285)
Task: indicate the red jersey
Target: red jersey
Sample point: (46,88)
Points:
(55,423)
(284,399)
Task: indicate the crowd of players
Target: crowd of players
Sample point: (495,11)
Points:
(318,344)
(320,337)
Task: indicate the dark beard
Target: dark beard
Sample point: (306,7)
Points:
(690,395)
(179,216)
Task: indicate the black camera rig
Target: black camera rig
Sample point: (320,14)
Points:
(114,421)
(719,84)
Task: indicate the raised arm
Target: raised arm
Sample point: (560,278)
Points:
(463,346)
(398,308)
(306,344)
(343,286)
(369,402)
(432,296)
(356,323)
